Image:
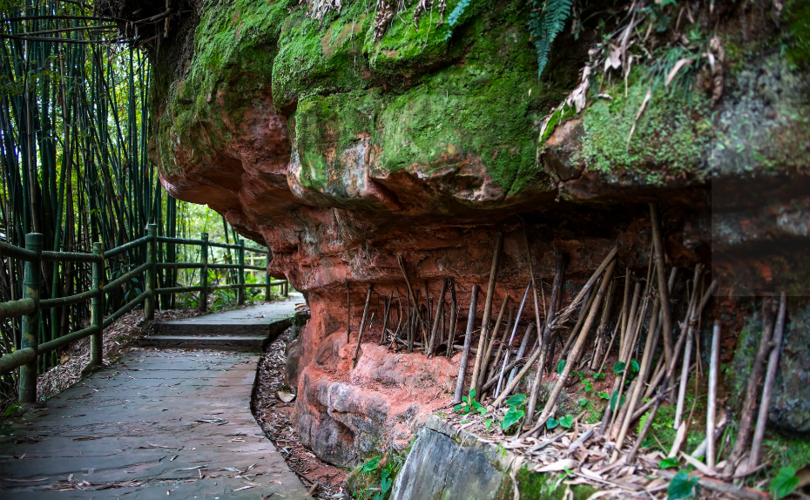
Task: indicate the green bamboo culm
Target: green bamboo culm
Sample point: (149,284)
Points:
(74,103)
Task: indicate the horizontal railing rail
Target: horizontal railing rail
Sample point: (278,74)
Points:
(30,306)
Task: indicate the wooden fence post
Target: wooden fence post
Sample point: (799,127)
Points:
(203,304)
(151,259)
(97,308)
(267,287)
(30,322)
(240,297)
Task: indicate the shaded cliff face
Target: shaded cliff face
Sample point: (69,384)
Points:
(341,151)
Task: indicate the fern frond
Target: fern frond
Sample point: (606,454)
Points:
(544,24)
(458,11)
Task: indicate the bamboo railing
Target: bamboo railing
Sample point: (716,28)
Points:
(30,306)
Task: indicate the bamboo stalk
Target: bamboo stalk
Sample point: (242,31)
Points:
(465,354)
(439,304)
(662,280)
(348,313)
(412,295)
(509,344)
(494,365)
(664,389)
(610,344)
(630,407)
(482,339)
(555,392)
(522,373)
(714,364)
(575,331)
(770,376)
(556,289)
(494,379)
(623,413)
(362,326)
(522,349)
(754,379)
(600,331)
(687,356)
(386,310)
(453,318)
(563,316)
(485,362)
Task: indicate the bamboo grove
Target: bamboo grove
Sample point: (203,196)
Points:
(74,104)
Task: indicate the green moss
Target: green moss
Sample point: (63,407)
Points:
(482,111)
(670,137)
(234,49)
(406,47)
(537,486)
(322,57)
(797,15)
(327,126)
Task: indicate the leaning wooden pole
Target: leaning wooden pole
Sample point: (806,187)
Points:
(465,354)
(436,318)
(747,412)
(451,336)
(663,290)
(552,310)
(482,339)
(362,326)
(670,370)
(714,365)
(770,376)
(485,362)
(574,354)
(412,295)
(348,313)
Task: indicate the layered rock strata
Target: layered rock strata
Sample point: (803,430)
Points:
(342,150)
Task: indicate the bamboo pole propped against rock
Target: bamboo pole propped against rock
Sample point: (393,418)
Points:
(770,376)
(429,350)
(362,326)
(574,354)
(453,318)
(544,341)
(465,354)
(482,339)
(747,412)
(663,290)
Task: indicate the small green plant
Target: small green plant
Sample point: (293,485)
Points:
(565,422)
(469,404)
(615,397)
(379,488)
(560,366)
(682,486)
(784,483)
(599,376)
(514,413)
(668,463)
(13,410)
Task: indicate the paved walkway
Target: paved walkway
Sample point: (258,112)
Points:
(264,315)
(157,424)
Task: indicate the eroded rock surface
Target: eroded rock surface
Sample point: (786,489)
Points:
(341,150)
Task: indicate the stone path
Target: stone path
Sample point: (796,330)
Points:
(238,330)
(158,424)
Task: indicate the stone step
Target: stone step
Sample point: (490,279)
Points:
(215,329)
(240,343)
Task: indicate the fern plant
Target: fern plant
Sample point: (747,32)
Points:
(455,15)
(545,23)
